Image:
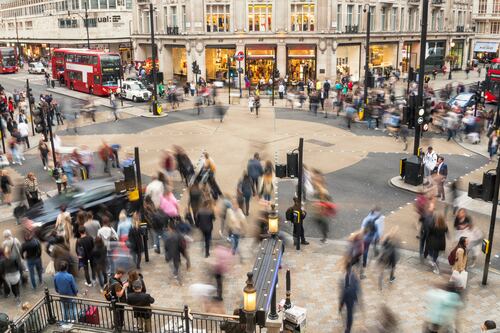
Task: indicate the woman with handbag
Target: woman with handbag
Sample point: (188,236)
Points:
(11,268)
(459,274)
(31,189)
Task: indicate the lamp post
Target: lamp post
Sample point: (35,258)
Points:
(154,103)
(249,303)
(492,226)
(452,45)
(421,72)
(367,55)
(85,22)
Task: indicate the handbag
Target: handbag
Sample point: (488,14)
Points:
(50,269)
(459,278)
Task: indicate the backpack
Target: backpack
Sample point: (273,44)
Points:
(371,226)
(107,290)
(452,257)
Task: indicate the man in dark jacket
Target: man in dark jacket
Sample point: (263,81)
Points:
(84,248)
(255,171)
(31,251)
(142,299)
(296,215)
(349,295)
(173,249)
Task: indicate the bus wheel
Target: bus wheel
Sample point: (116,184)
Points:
(91,91)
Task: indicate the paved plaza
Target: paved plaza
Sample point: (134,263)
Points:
(357,164)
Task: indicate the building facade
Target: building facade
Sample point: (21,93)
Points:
(486,18)
(300,38)
(37,26)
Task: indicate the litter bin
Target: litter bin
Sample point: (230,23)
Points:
(53,83)
(414,171)
(489,178)
(292,164)
(281,170)
(402,165)
(475,190)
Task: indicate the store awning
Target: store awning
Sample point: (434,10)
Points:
(486,47)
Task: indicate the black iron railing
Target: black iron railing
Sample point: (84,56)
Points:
(117,317)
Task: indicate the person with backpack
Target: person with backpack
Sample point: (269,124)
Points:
(84,248)
(372,227)
(296,215)
(458,260)
(31,251)
(115,290)
(437,241)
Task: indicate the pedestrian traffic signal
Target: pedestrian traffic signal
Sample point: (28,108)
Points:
(195,67)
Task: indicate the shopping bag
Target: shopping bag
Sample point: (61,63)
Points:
(50,269)
(459,279)
(90,315)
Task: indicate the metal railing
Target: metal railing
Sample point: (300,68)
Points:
(118,317)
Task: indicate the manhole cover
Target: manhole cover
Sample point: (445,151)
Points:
(320,143)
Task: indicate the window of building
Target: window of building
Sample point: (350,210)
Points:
(260,16)
(433,20)
(146,22)
(495,28)
(360,12)
(165,18)
(372,18)
(339,17)
(394,18)
(104,4)
(218,18)
(92,22)
(402,19)
(440,25)
(383,19)
(184,18)
(11,26)
(481,27)
(68,23)
(411,19)
(496,6)
(28,25)
(75,4)
(94,4)
(302,17)
(350,9)
(128,4)
(112,4)
(483,4)
(173,16)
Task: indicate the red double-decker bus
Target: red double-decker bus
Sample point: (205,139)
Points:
(8,62)
(492,84)
(91,71)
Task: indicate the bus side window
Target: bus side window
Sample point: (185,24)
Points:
(94,60)
(97,79)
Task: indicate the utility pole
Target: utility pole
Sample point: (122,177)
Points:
(421,73)
(87,24)
(239,78)
(408,67)
(3,137)
(272,77)
(492,225)
(154,103)
(367,55)
(229,78)
(28,96)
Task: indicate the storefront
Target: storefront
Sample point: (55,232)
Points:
(485,51)
(180,63)
(216,61)
(457,50)
(260,62)
(36,51)
(383,58)
(348,61)
(434,55)
(125,52)
(301,62)
(409,56)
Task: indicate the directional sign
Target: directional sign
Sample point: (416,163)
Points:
(239,56)
(420,120)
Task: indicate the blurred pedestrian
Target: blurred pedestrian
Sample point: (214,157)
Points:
(173,250)
(31,251)
(437,240)
(84,249)
(236,222)
(91,225)
(99,256)
(223,261)
(372,227)
(488,325)
(11,268)
(43,148)
(6,187)
(135,240)
(350,291)
(255,171)
(389,257)
(441,172)
(244,192)
(443,305)
(205,220)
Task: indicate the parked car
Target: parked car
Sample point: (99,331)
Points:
(135,91)
(36,68)
(89,195)
(464,100)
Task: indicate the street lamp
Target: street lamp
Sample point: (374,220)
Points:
(85,21)
(249,303)
(273,221)
(452,45)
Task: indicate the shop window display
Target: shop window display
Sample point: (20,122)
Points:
(216,62)
(259,64)
(218,18)
(382,58)
(301,63)
(180,66)
(260,17)
(302,17)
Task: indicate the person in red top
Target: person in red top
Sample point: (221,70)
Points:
(105,153)
(10,106)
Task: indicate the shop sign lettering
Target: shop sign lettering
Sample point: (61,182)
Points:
(109,19)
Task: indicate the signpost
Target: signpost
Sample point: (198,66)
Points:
(240,56)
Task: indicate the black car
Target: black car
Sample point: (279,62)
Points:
(88,195)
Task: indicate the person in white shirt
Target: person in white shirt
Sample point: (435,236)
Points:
(24,133)
(155,190)
(430,161)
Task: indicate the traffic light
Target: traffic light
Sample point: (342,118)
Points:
(276,73)
(195,67)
